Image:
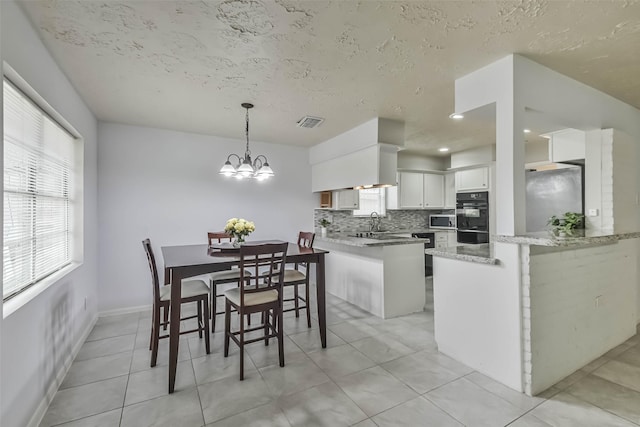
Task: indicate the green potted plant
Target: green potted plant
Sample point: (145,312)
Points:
(567,223)
(324,223)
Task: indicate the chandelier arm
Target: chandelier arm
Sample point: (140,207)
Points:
(259,159)
(234,155)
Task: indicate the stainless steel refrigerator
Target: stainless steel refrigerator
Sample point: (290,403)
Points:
(553,192)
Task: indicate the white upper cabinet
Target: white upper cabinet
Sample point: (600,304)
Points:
(433,190)
(417,190)
(472,179)
(567,145)
(346,199)
(411,189)
(450,190)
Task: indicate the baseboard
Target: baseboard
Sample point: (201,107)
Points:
(127,310)
(36,419)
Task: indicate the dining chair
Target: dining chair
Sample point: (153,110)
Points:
(295,277)
(231,276)
(259,293)
(193,290)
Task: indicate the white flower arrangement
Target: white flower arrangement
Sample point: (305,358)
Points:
(239,228)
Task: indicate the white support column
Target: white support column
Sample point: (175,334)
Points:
(509,186)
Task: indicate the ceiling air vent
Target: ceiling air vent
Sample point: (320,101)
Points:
(310,122)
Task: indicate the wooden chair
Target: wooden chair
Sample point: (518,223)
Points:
(295,277)
(221,277)
(192,291)
(259,293)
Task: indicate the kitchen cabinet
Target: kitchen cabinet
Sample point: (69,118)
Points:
(450,190)
(433,190)
(567,145)
(326,199)
(417,190)
(442,239)
(472,179)
(452,238)
(411,186)
(346,199)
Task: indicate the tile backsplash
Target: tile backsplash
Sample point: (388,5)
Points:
(394,220)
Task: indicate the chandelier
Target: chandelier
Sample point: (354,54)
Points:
(258,169)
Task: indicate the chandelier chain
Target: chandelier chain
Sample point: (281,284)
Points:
(247,131)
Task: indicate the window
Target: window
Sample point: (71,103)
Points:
(38,189)
(371,200)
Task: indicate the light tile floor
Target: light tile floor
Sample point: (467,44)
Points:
(373,372)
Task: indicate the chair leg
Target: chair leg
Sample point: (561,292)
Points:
(155,331)
(308,302)
(151,337)
(280,338)
(296,301)
(199,304)
(212,293)
(265,321)
(205,324)
(227,326)
(241,344)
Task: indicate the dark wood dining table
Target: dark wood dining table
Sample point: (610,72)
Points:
(181,262)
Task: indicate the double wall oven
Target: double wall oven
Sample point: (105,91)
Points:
(472,217)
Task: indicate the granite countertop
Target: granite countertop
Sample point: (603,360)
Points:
(389,239)
(579,238)
(482,253)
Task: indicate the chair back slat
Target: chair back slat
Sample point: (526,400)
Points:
(306,239)
(218,236)
(146,243)
(265,262)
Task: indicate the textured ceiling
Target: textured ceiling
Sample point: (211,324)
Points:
(188,65)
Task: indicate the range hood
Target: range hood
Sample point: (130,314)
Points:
(363,157)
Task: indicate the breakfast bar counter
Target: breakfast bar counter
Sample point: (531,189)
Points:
(384,276)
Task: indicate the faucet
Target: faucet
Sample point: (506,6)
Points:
(374,221)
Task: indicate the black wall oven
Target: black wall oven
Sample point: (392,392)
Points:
(472,215)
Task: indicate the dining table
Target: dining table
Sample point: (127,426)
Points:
(184,261)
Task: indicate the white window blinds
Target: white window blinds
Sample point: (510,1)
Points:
(38,173)
(371,200)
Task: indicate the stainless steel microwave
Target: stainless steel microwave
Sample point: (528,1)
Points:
(442,221)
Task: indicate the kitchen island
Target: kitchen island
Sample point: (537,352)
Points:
(545,308)
(384,276)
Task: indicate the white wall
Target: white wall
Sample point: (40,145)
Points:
(474,156)
(581,304)
(477,314)
(38,338)
(165,185)
(415,162)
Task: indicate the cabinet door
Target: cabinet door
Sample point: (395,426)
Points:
(433,190)
(411,190)
(452,238)
(472,179)
(348,199)
(450,190)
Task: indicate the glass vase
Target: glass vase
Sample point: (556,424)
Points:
(239,241)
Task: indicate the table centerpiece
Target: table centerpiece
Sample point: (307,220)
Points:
(239,229)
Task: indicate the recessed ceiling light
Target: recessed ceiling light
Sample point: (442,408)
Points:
(443,149)
(527,131)
(456,116)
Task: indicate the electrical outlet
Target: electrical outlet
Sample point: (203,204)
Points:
(592,212)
